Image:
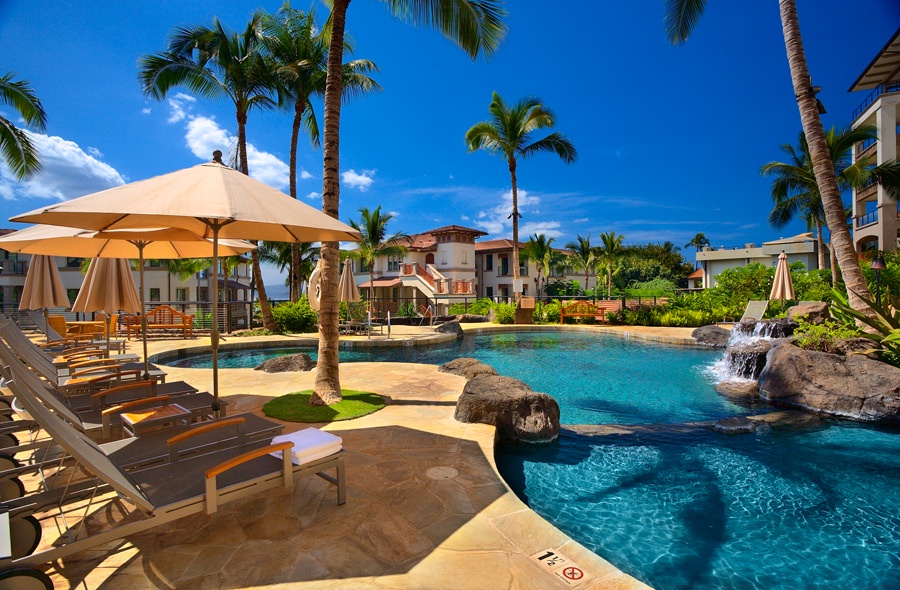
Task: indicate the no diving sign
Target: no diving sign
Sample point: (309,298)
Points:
(561,567)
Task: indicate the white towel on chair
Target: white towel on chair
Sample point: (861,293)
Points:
(309,444)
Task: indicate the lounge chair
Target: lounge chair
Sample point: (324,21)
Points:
(44,326)
(189,485)
(755,310)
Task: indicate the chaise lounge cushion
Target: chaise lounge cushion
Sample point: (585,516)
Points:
(310,444)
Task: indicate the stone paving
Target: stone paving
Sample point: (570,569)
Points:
(426,508)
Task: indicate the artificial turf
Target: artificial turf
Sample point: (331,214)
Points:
(294,407)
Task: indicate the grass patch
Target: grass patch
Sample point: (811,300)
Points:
(294,407)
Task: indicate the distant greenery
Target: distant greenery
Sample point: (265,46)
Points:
(559,288)
(407,310)
(505,313)
(477,307)
(294,407)
(658,287)
(295,318)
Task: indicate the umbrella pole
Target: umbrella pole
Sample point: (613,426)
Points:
(214,331)
(140,247)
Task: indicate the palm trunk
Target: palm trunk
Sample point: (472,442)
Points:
(609,281)
(835,267)
(821,157)
(268,320)
(328,381)
(515,226)
(294,275)
(820,239)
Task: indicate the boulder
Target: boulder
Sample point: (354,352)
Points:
(467,367)
(735,425)
(290,362)
(711,336)
(814,312)
(851,386)
(471,318)
(778,328)
(747,359)
(857,345)
(739,391)
(451,328)
(518,413)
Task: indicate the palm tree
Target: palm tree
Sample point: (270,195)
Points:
(297,51)
(214,62)
(477,27)
(680,19)
(538,249)
(608,253)
(583,257)
(16,148)
(508,134)
(280,254)
(795,191)
(699,242)
(375,242)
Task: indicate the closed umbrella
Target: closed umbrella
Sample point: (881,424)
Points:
(156,243)
(782,286)
(109,286)
(348,289)
(43,288)
(211,200)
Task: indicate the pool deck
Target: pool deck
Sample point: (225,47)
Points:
(426,508)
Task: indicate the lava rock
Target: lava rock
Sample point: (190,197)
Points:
(735,425)
(451,328)
(467,367)
(711,336)
(851,386)
(739,390)
(471,318)
(747,359)
(518,412)
(814,312)
(290,362)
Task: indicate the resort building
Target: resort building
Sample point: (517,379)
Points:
(495,276)
(875,214)
(801,248)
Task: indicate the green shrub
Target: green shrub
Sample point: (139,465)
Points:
(407,310)
(203,319)
(505,313)
(822,337)
(477,307)
(548,312)
(652,288)
(295,317)
(559,288)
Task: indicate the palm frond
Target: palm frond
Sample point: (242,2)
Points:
(680,18)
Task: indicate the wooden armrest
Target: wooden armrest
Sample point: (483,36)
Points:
(243,458)
(127,386)
(205,428)
(108,377)
(138,402)
(95,363)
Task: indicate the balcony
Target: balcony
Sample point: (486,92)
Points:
(14,267)
(867,219)
(416,269)
(882,89)
(867,193)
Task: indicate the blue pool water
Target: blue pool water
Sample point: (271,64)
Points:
(680,506)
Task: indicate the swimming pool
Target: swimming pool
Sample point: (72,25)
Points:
(680,506)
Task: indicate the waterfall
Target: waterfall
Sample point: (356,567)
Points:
(745,354)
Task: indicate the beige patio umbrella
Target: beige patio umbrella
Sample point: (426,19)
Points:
(348,290)
(43,287)
(155,243)
(211,200)
(782,286)
(108,287)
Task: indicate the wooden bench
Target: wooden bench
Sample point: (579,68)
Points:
(587,309)
(163,317)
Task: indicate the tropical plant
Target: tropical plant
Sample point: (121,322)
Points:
(297,51)
(583,257)
(295,317)
(795,191)
(375,242)
(608,253)
(539,250)
(505,313)
(883,321)
(281,255)
(823,337)
(476,26)
(509,134)
(214,63)
(16,149)
(699,242)
(477,307)
(681,17)
(559,288)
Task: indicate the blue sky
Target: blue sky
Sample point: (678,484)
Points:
(670,139)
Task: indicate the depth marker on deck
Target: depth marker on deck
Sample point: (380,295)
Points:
(561,567)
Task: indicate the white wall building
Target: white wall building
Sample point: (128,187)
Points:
(801,248)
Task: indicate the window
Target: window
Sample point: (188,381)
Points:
(465,257)
(523,268)
(364,266)
(72,294)
(393,263)
(181,294)
(489,292)
(444,257)
(488,262)
(73,262)
(155,263)
(504,266)
(154,294)
(395,294)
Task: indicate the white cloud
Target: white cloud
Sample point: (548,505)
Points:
(497,222)
(362,180)
(548,228)
(304,175)
(146,111)
(95,152)
(313,196)
(394,214)
(68,172)
(581,220)
(179,107)
(204,136)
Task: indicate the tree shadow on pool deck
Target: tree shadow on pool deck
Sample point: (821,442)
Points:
(397,513)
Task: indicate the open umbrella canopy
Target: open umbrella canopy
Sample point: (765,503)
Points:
(108,286)
(782,286)
(159,243)
(191,199)
(43,285)
(348,291)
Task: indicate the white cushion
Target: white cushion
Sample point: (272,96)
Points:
(309,444)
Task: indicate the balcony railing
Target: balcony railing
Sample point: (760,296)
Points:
(867,219)
(14,267)
(870,190)
(416,269)
(881,89)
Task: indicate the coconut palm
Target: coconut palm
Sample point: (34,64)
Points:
(608,252)
(539,250)
(297,51)
(680,19)
(795,191)
(699,242)
(280,255)
(16,149)
(583,257)
(509,134)
(477,27)
(215,63)
(375,242)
